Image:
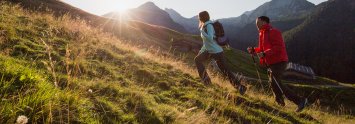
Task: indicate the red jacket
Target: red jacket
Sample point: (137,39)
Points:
(272,44)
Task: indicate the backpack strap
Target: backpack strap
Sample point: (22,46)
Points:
(205,27)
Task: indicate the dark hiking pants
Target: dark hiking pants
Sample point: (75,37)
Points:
(276,74)
(219,58)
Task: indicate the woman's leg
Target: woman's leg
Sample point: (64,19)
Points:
(220,60)
(219,57)
(199,59)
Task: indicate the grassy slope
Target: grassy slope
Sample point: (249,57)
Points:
(100,79)
(149,35)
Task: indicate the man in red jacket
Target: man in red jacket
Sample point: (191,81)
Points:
(272,54)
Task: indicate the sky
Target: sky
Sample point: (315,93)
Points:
(187,8)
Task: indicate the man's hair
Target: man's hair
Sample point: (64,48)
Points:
(264,18)
(204,16)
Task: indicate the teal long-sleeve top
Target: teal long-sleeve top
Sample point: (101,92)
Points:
(209,43)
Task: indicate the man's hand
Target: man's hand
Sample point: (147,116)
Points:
(261,54)
(251,50)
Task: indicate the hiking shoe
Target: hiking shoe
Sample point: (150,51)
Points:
(207,81)
(280,101)
(242,89)
(302,105)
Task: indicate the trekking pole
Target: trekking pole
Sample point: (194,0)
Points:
(257,71)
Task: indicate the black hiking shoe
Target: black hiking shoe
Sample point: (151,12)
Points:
(280,101)
(242,89)
(302,105)
(207,81)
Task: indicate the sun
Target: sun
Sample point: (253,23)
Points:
(101,7)
(121,7)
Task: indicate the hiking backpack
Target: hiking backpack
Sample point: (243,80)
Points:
(220,38)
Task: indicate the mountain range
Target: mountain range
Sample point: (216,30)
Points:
(190,24)
(148,13)
(241,30)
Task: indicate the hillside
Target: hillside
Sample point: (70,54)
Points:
(63,70)
(154,36)
(281,9)
(249,34)
(284,14)
(325,40)
(148,13)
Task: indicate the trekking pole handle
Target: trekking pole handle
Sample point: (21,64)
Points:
(252,56)
(252,53)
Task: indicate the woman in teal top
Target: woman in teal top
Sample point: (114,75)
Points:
(210,48)
(209,43)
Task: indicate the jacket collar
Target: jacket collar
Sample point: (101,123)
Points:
(265,27)
(208,22)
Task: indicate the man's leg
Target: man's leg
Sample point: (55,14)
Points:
(277,70)
(276,90)
(199,59)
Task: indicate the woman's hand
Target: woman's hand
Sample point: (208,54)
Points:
(200,25)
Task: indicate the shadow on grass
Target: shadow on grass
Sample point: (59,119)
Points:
(274,111)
